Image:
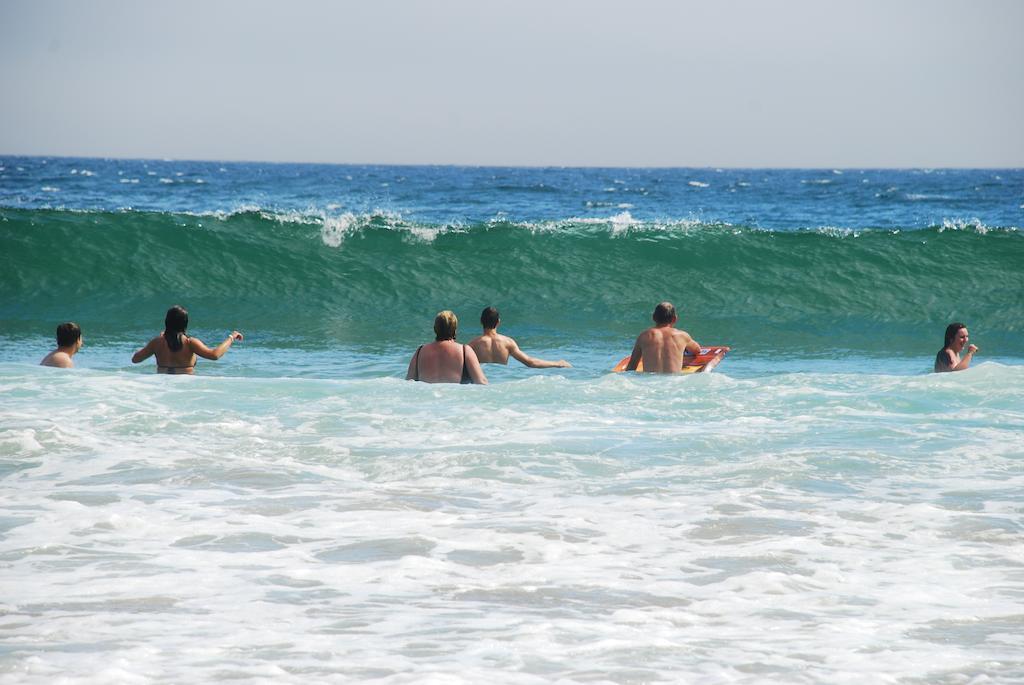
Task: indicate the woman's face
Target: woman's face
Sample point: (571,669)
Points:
(960,339)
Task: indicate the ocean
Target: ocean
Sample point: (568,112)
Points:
(820,509)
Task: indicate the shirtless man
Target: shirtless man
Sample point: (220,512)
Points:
(69,341)
(494,348)
(662,346)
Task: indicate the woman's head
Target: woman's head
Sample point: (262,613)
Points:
(953,332)
(445,325)
(175,324)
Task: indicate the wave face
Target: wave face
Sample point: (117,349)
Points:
(318,280)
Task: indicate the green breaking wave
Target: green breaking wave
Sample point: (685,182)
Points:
(307,280)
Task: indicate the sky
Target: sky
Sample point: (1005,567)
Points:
(719,83)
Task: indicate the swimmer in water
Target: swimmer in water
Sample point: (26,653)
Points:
(494,348)
(948,358)
(444,360)
(175,351)
(662,346)
(69,342)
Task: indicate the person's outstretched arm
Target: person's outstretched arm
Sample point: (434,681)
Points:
(410,375)
(205,352)
(692,347)
(634,358)
(145,353)
(534,363)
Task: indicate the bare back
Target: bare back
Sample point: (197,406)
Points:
(445,361)
(59,359)
(492,349)
(182,360)
(662,348)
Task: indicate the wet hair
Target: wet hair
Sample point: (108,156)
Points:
(68,334)
(951,331)
(489,317)
(175,324)
(664,313)
(445,325)
(941,358)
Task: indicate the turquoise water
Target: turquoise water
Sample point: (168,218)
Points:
(818,510)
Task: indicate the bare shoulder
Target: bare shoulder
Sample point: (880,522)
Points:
(507,342)
(60,360)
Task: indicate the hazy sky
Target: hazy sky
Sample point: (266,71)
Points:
(526,82)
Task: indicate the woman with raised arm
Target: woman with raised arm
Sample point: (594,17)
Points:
(948,358)
(175,351)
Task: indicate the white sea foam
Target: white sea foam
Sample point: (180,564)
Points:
(336,229)
(621,222)
(50,189)
(964,225)
(698,184)
(924,196)
(840,527)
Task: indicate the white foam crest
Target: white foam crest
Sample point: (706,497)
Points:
(50,189)
(622,222)
(817,181)
(975,225)
(913,197)
(838,232)
(617,224)
(698,184)
(335,229)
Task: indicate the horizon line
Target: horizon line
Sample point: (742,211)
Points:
(519,166)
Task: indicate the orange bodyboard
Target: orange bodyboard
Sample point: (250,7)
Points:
(697,363)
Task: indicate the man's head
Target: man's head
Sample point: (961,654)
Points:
(69,335)
(664,314)
(445,325)
(489,318)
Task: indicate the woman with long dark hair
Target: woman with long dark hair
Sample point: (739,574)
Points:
(175,350)
(948,358)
